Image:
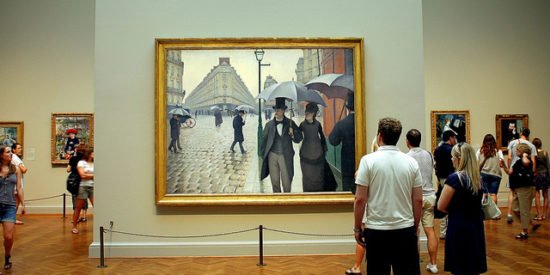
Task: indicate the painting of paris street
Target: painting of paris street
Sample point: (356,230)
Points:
(222,108)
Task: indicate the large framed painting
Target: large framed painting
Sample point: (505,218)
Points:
(509,127)
(12,132)
(68,131)
(258,121)
(458,121)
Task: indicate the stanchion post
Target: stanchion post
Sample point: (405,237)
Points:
(261,232)
(101,249)
(64,204)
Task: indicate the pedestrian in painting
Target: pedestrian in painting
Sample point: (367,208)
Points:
(175,126)
(312,152)
(461,199)
(10,181)
(17,160)
(238,123)
(276,148)
(72,142)
(389,188)
(218,120)
(344,133)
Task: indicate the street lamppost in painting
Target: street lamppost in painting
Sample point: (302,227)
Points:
(219,77)
(260,56)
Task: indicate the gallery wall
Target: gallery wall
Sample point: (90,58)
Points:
(124,107)
(46,66)
(488,57)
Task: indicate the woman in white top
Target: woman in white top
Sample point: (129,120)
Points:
(85,169)
(491,161)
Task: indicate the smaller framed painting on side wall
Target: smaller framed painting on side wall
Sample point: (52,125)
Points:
(509,127)
(68,131)
(458,121)
(11,132)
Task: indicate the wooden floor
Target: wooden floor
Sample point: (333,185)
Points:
(45,245)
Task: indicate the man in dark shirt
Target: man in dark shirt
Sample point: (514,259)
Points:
(344,132)
(443,168)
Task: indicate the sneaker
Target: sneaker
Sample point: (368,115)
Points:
(522,236)
(432,268)
(509,219)
(442,236)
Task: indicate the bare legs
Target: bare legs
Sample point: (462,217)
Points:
(76,214)
(432,244)
(542,210)
(9,229)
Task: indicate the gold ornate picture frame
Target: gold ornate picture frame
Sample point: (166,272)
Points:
(509,127)
(12,132)
(459,121)
(64,125)
(203,83)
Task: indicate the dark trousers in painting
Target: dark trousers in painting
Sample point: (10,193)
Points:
(392,249)
(240,145)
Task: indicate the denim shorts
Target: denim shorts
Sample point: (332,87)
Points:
(7,213)
(85,192)
(491,182)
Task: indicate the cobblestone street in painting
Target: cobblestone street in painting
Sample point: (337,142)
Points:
(207,166)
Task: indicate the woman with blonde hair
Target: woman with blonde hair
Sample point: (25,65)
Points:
(461,198)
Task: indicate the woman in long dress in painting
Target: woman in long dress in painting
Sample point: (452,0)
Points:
(312,152)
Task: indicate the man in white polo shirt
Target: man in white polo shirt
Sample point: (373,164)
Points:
(389,186)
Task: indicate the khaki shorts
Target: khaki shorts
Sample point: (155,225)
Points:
(428,204)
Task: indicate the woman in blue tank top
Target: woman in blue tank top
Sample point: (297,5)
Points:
(10,180)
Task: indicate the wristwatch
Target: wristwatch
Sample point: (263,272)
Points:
(357,230)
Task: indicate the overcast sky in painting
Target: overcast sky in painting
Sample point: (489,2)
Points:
(198,63)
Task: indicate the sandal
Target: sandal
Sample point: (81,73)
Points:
(75,231)
(7,265)
(351,271)
(537,218)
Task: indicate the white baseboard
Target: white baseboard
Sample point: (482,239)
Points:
(213,249)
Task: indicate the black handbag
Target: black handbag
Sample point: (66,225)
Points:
(438,214)
(73,183)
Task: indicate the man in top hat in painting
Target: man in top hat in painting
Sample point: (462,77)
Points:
(344,132)
(72,142)
(276,148)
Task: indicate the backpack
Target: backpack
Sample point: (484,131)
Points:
(73,183)
(522,175)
